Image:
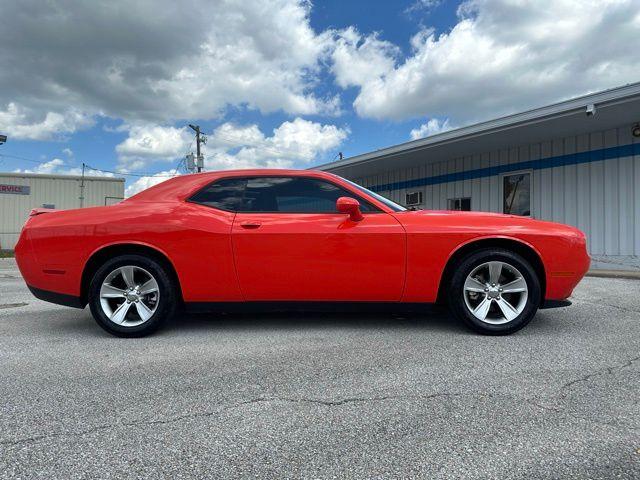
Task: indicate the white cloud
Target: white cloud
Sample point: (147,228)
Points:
(423,5)
(156,61)
(293,144)
(432,127)
(297,142)
(262,54)
(357,59)
(27,124)
(148,143)
(504,56)
(152,62)
(51,166)
(145,182)
(68,152)
(229,135)
(58,166)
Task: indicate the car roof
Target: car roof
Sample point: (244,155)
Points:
(182,186)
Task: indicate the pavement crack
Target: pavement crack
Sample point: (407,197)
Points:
(610,305)
(309,400)
(12,305)
(179,418)
(585,378)
(607,370)
(344,401)
(563,410)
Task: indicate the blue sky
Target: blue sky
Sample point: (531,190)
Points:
(285,83)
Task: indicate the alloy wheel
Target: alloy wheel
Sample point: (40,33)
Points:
(495,292)
(126,287)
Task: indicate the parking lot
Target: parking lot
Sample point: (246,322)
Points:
(322,395)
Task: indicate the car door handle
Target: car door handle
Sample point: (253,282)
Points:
(250,224)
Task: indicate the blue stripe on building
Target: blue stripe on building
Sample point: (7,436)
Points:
(549,162)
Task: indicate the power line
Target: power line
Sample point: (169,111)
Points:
(20,158)
(129,174)
(115,172)
(182,160)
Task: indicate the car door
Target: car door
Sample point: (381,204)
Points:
(290,244)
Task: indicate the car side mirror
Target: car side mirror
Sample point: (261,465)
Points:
(351,207)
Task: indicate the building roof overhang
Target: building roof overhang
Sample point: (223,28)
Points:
(613,108)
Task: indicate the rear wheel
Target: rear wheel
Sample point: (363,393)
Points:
(131,296)
(494,291)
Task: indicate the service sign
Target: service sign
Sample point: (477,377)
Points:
(15,189)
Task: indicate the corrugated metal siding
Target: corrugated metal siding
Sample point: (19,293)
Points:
(62,192)
(602,198)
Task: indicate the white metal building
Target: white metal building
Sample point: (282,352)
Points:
(20,192)
(575,162)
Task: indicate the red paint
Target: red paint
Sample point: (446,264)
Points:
(223,256)
(351,207)
(319,257)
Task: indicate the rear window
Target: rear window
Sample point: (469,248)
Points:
(224,194)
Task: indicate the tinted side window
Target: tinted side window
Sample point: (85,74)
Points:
(223,194)
(294,195)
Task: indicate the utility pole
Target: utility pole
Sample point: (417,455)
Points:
(199,139)
(82,187)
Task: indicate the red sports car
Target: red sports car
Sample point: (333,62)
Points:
(231,237)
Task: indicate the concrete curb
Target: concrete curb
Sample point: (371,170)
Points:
(628,274)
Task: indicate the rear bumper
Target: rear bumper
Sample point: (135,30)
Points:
(58,298)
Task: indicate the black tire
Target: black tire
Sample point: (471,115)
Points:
(166,303)
(466,265)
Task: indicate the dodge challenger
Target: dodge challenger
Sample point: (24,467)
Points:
(288,236)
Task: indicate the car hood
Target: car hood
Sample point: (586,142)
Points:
(457,213)
(484,222)
(468,216)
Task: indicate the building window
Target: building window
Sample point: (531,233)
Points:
(516,194)
(463,204)
(413,199)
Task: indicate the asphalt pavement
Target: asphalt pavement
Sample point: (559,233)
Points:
(322,395)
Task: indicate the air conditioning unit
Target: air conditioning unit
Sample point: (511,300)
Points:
(413,198)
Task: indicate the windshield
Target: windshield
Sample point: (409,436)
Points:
(392,205)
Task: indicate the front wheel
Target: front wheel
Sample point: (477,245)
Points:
(494,291)
(131,296)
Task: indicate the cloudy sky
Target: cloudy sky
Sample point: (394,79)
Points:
(285,83)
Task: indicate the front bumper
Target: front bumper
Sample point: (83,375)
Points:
(554,304)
